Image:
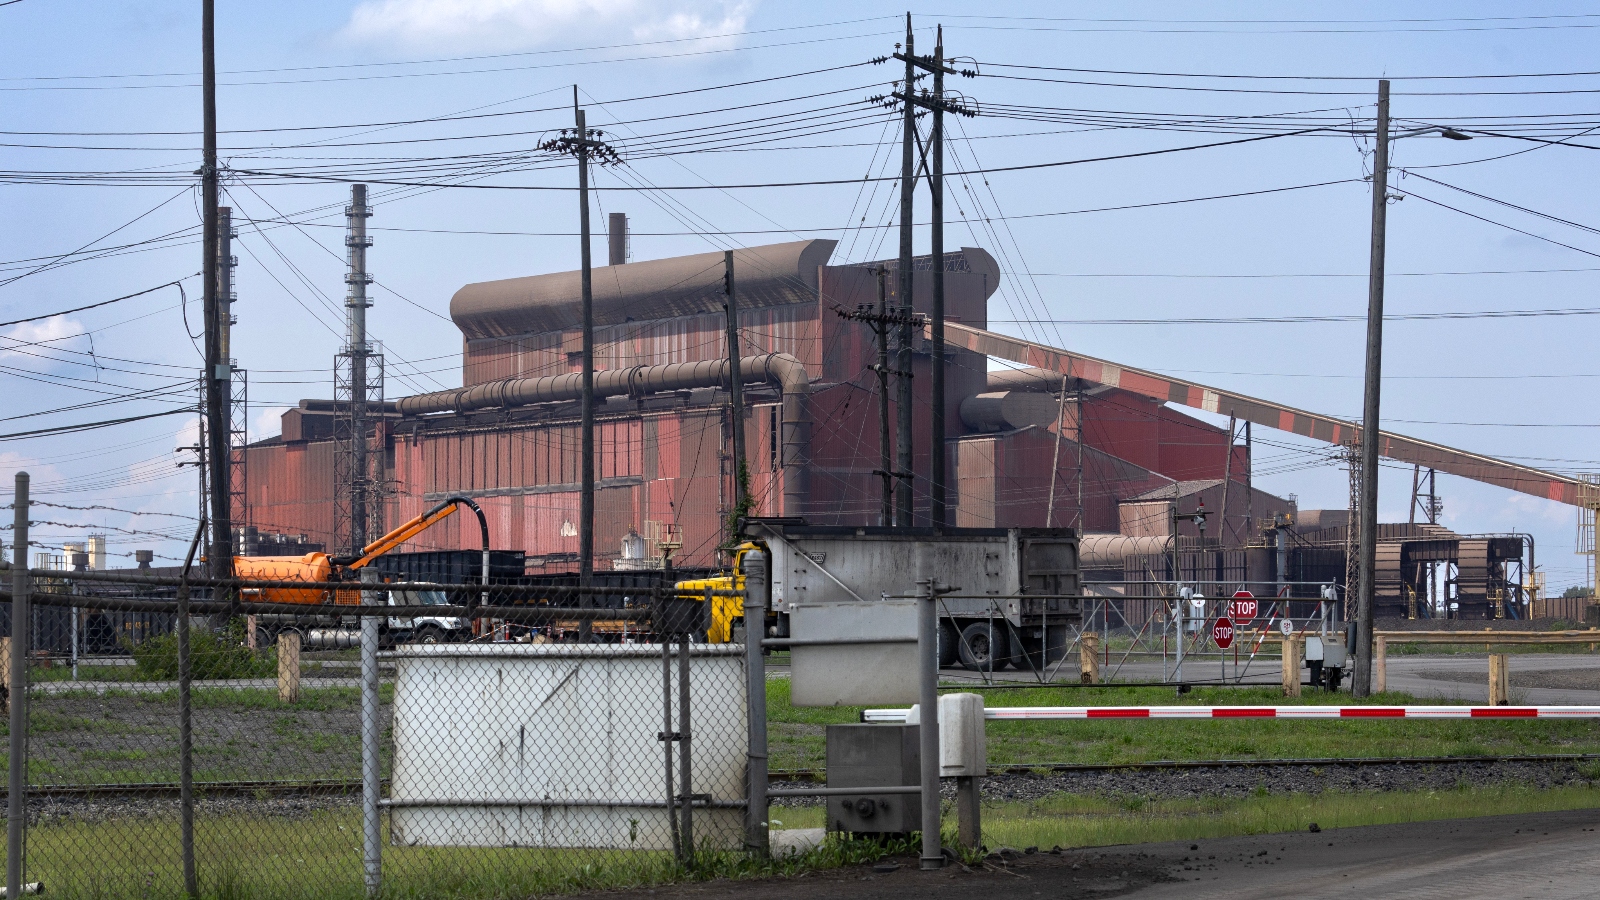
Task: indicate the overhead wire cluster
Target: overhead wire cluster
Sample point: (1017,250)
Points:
(453,152)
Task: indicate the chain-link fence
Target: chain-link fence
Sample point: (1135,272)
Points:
(189,736)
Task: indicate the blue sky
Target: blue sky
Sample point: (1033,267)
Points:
(289,65)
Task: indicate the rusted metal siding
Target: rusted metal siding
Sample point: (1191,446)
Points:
(791,329)
(1476,467)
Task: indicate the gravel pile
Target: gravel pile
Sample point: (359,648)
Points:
(52,810)
(1244,781)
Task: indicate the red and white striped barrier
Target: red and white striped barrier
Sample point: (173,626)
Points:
(1010,713)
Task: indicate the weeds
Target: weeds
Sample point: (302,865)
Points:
(212,654)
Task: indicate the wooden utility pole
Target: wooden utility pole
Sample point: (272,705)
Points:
(741,473)
(936,189)
(586,498)
(1361,684)
(908,182)
(581,143)
(885,451)
(936,104)
(218,378)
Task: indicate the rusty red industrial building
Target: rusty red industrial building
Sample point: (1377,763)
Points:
(1088,447)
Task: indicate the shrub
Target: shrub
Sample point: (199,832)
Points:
(212,655)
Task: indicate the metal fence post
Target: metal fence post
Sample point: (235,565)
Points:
(756,837)
(371,837)
(191,882)
(663,602)
(928,730)
(685,764)
(16,800)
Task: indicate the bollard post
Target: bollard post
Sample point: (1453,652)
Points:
(1089,658)
(1291,667)
(1380,664)
(16,797)
(289,667)
(371,837)
(928,728)
(1499,680)
(757,840)
(963,754)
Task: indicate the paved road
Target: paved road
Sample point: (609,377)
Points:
(1546,855)
(1551,856)
(1467,678)
(1554,679)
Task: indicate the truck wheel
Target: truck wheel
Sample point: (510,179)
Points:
(428,634)
(984,647)
(949,641)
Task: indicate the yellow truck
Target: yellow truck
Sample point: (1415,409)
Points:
(726,611)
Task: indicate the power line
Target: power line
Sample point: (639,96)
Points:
(89,426)
(784,184)
(486,71)
(100,304)
(1295,320)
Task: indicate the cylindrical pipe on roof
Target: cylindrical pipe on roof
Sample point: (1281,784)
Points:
(788,373)
(1105,551)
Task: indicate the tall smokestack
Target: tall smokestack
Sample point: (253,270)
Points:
(617,234)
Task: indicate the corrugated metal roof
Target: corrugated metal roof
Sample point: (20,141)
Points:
(1178,489)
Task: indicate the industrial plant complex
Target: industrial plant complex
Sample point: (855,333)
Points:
(1051,438)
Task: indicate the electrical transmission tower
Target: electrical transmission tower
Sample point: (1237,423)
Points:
(358,392)
(239,393)
(1352,534)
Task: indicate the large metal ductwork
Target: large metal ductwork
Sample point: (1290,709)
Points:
(1009,411)
(779,369)
(1098,550)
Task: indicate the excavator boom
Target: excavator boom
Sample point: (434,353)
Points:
(404,533)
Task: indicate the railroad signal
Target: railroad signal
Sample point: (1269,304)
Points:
(1222,632)
(1243,607)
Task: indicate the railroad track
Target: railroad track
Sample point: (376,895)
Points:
(1165,765)
(207,789)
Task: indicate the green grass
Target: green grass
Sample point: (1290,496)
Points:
(319,856)
(796,735)
(1070,820)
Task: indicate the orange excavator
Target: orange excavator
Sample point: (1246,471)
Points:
(320,567)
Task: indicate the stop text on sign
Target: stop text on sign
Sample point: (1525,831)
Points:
(1243,606)
(1222,632)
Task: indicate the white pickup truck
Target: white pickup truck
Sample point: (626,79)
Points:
(325,632)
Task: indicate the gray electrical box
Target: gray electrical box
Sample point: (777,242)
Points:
(869,756)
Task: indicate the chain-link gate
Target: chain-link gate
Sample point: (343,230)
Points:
(189,736)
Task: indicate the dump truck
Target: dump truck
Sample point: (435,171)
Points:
(1012,595)
(321,621)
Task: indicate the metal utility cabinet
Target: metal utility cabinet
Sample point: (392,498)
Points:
(1006,588)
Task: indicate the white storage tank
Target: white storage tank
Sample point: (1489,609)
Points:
(556,745)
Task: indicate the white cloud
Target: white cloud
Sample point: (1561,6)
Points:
(454,26)
(267,422)
(56,332)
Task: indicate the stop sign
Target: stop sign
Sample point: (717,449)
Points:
(1243,606)
(1222,632)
